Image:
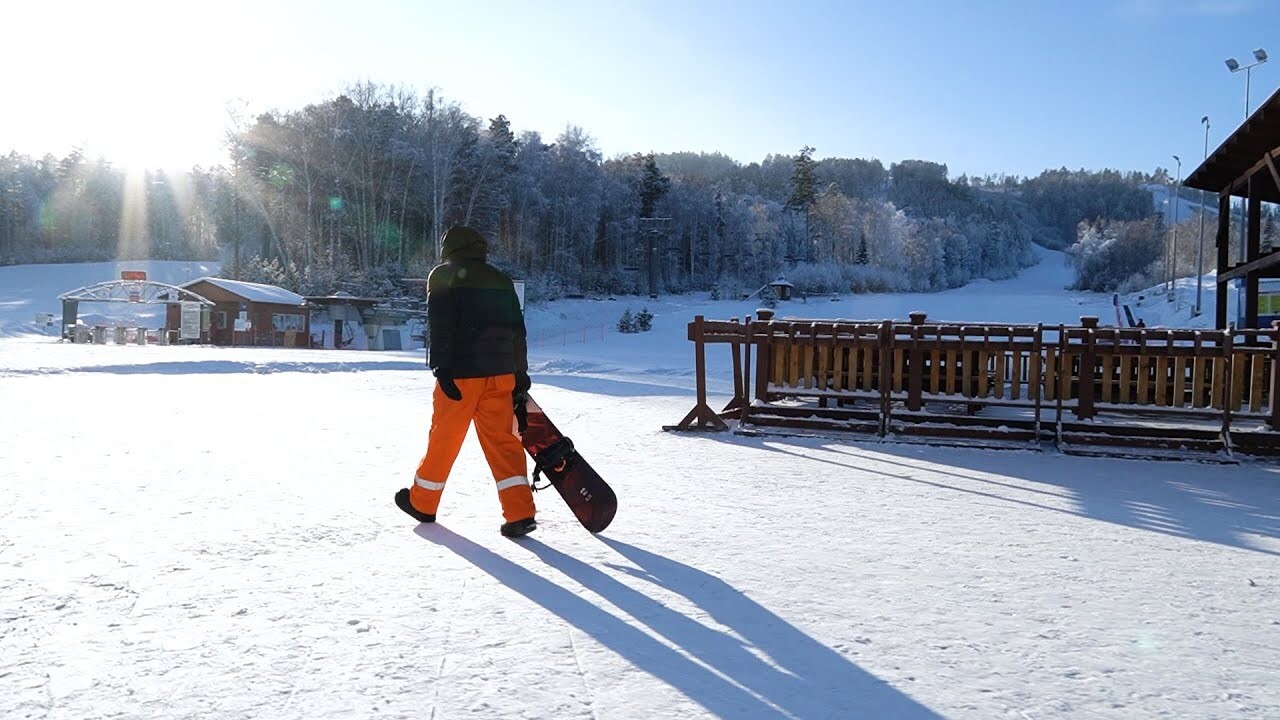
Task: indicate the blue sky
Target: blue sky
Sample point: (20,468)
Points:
(985,87)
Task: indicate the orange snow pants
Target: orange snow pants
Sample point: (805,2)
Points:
(487,401)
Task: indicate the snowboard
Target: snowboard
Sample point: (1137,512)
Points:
(588,496)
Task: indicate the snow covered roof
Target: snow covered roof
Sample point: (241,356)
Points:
(253,292)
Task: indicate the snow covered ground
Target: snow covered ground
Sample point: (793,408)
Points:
(208,533)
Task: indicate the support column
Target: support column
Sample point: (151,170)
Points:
(1223,240)
(915,364)
(1253,252)
(764,358)
(1084,378)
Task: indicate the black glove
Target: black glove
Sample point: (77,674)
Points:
(522,412)
(444,379)
(519,396)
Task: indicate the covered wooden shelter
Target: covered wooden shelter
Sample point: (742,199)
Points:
(1247,166)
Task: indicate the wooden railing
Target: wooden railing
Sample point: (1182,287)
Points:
(1092,373)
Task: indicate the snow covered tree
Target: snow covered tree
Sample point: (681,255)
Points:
(626,323)
(1110,254)
(804,181)
(653,184)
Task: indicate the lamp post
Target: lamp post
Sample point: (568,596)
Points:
(1200,245)
(1259,57)
(1173,240)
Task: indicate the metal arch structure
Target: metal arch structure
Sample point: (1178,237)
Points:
(134,291)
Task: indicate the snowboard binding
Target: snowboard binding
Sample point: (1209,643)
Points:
(553,458)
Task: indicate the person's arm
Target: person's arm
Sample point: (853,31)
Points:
(441,317)
(520,343)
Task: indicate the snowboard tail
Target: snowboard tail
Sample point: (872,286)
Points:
(587,494)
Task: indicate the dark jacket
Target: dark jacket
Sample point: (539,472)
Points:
(477,328)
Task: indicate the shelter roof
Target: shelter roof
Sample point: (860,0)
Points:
(252,292)
(1249,147)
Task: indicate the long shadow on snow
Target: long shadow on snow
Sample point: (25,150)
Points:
(1218,504)
(824,684)
(806,678)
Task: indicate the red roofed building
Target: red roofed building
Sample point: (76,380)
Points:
(248,313)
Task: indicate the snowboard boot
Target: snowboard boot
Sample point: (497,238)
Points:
(518,528)
(402,502)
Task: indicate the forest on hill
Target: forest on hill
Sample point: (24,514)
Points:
(352,192)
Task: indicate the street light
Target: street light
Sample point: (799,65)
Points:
(1259,57)
(1200,246)
(1173,241)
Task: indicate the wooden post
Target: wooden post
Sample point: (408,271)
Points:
(1035,376)
(764,354)
(739,382)
(915,360)
(1253,251)
(1084,384)
(1060,349)
(1273,419)
(746,368)
(1224,243)
(701,417)
(1227,357)
(886,374)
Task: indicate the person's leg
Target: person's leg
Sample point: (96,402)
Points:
(449,422)
(495,423)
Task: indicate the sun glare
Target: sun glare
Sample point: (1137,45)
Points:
(132,83)
(143,146)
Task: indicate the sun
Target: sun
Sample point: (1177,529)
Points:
(137,145)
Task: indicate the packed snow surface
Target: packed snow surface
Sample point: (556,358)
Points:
(198,532)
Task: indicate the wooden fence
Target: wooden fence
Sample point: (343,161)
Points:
(1076,385)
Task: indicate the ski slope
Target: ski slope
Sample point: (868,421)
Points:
(208,532)
(1181,210)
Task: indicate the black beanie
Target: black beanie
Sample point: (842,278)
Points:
(461,242)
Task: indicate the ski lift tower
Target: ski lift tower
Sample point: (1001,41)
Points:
(651,229)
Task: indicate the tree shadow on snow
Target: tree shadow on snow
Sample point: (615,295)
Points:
(1227,505)
(802,679)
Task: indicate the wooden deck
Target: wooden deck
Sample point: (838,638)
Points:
(1208,394)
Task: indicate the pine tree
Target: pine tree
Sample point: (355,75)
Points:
(653,184)
(862,258)
(804,181)
(768,297)
(627,323)
(644,321)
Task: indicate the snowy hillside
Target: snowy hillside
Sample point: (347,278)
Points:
(208,532)
(29,289)
(1185,208)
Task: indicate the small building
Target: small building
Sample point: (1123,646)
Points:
(343,321)
(1245,166)
(782,288)
(254,314)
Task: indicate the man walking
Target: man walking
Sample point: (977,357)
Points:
(478,354)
